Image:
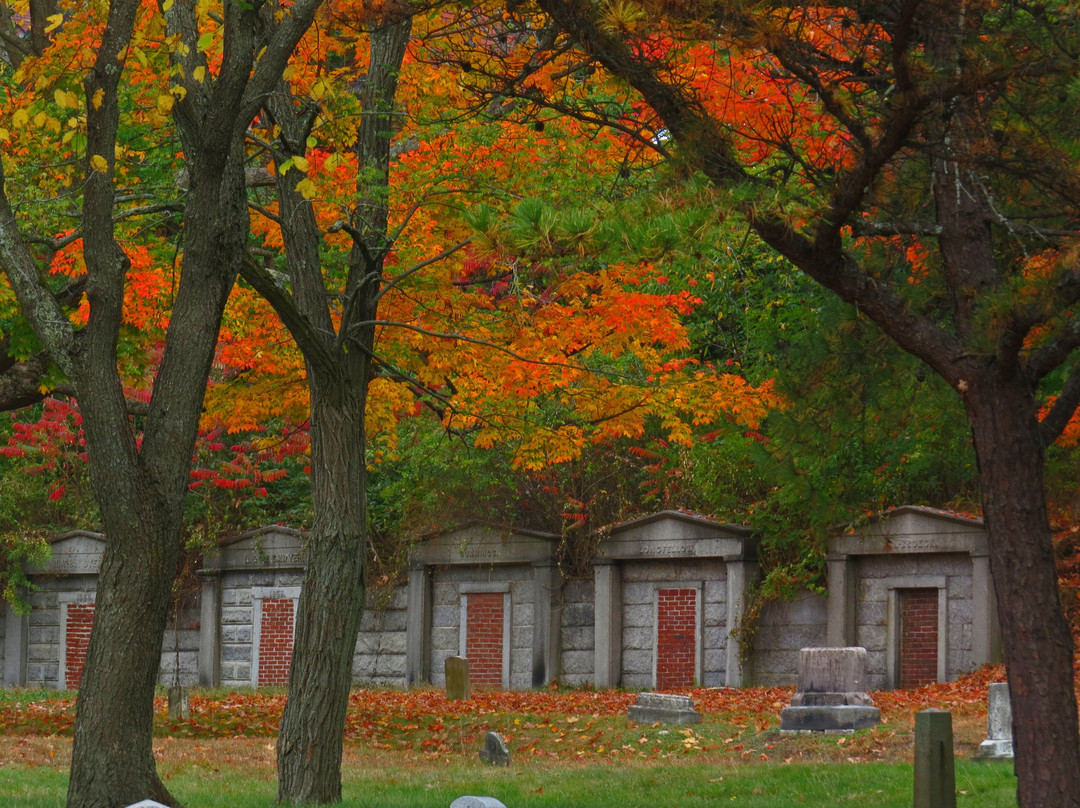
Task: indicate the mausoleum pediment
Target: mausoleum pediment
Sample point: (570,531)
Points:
(674,534)
(482,543)
(913,529)
(76,553)
(271,547)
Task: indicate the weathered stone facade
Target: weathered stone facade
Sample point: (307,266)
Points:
(667,591)
(46,648)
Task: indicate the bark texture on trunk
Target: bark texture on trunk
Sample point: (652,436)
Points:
(1039,645)
(141,495)
(330,608)
(112,762)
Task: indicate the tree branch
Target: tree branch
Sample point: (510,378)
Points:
(1055,421)
(307,338)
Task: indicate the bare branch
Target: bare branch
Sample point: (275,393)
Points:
(397,279)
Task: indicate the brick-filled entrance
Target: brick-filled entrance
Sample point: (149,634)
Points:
(484,632)
(275,641)
(80,619)
(676,638)
(918,637)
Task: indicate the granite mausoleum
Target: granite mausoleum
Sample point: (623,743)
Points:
(491,595)
(250,588)
(912,587)
(668,589)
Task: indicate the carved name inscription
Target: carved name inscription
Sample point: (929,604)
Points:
(477,551)
(667,549)
(270,558)
(74,563)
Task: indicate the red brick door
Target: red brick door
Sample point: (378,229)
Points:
(676,638)
(275,641)
(80,619)
(484,633)
(918,637)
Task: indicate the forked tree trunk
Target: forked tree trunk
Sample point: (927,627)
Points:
(1038,640)
(339,372)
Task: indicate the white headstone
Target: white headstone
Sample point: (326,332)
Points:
(147,804)
(999,741)
(476,802)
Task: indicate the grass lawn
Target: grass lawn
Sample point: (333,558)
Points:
(679,784)
(575,748)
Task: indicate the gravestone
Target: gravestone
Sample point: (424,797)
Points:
(663,707)
(179,703)
(147,804)
(831,694)
(476,802)
(999,743)
(935,773)
(495,751)
(457,678)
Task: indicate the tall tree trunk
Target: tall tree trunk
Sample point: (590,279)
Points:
(331,603)
(1039,644)
(141,490)
(339,371)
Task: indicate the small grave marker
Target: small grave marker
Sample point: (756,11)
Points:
(179,703)
(147,804)
(495,751)
(663,707)
(999,742)
(935,772)
(457,678)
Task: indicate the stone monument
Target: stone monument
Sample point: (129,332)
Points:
(831,694)
(663,707)
(999,742)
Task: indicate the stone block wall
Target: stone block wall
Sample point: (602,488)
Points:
(578,632)
(785,627)
(180,650)
(44,651)
(380,649)
(4,609)
(239,633)
(58,630)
